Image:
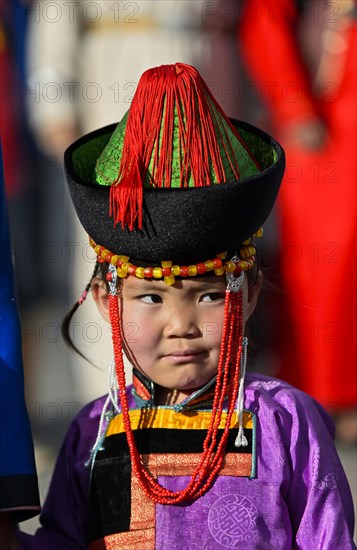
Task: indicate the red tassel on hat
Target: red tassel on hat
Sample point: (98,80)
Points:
(162,93)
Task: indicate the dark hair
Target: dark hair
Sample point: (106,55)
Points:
(100,271)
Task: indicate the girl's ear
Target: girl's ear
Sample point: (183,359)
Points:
(100,296)
(253,293)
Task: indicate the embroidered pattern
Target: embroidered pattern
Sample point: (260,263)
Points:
(232,520)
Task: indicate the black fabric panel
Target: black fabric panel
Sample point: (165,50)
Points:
(110,497)
(20,492)
(168,441)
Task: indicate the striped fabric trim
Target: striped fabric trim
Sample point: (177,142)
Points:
(170,419)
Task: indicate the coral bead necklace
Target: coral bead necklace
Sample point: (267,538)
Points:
(227,382)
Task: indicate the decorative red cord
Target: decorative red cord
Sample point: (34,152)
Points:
(227,383)
(164,94)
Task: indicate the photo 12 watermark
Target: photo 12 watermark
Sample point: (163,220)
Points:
(85,11)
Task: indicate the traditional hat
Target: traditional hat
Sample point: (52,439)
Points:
(176,180)
(174,190)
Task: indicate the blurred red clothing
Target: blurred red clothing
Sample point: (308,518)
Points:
(310,89)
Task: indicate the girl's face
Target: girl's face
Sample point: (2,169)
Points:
(174,332)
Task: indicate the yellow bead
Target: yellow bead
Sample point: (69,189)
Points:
(169,280)
(105,254)
(166,263)
(121,273)
(219,271)
(209,265)
(97,249)
(247,252)
(114,259)
(192,270)
(258,233)
(222,255)
(243,265)
(247,242)
(229,266)
(139,272)
(157,272)
(125,265)
(124,259)
(175,270)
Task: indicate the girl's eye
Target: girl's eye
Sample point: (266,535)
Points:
(151,299)
(212,297)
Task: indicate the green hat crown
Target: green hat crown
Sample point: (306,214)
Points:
(175,135)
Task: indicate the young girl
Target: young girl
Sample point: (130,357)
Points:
(195,454)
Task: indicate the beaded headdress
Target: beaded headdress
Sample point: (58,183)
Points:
(177,189)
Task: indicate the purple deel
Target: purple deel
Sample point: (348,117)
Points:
(300,498)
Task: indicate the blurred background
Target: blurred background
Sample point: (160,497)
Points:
(288,67)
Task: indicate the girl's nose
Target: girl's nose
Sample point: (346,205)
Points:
(182,322)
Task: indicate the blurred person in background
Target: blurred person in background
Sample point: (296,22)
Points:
(76,47)
(302,56)
(19,154)
(19,494)
(19,498)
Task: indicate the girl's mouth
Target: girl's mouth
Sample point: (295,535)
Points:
(185,356)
